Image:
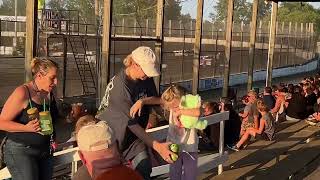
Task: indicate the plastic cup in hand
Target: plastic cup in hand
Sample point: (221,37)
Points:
(46,123)
(33,113)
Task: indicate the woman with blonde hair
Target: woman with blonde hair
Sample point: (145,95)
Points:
(27,151)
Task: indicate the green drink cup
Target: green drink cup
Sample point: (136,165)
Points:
(45,123)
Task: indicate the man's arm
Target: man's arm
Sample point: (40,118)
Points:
(195,112)
(161,148)
(137,106)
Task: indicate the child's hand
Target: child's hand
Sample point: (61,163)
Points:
(136,108)
(317,116)
(177,111)
(176,119)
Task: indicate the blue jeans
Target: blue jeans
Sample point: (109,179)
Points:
(27,163)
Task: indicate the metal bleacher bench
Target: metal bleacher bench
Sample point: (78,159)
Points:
(205,163)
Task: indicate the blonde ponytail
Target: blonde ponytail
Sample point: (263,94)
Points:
(173,92)
(42,65)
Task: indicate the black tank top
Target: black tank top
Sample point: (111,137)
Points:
(30,138)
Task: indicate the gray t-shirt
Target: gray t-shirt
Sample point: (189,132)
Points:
(269,127)
(121,93)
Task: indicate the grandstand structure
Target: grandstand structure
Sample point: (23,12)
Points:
(92,49)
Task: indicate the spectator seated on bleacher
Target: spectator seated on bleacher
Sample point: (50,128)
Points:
(279,109)
(296,109)
(76,116)
(99,153)
(247,115)
(266,128)
(310,97)
(209,137)
(268,99)
(233,125)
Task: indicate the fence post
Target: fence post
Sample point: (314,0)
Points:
(180,27)
(288,45)
(295,39)
(147,26)
(228,45)
(260,30)
(135,27)
(191,28)
(123,25)
(272,36)
(104,68)
(275,46)
(212,28)
(309,32)
(78,22)
(281,44)
(158,43)
(302,38)
(215,55)
(65,50)
(197,48)
(241,45)
(252,45)
(170,28)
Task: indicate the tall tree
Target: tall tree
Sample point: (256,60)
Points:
(143,9)
(7,7)
(298,12)
(56,4)
(242,10)
(138,9)
(172,10)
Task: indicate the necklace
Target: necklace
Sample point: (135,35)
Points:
(35,87)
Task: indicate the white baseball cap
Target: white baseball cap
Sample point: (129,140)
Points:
(95,137)
(146,59)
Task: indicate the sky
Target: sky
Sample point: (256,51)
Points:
(190,6)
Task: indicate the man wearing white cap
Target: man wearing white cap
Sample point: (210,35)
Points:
(133,88)
(99,153)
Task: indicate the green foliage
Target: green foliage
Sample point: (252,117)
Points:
(146,9)
(294,12)
(242,11)
(138,9)
(7,7)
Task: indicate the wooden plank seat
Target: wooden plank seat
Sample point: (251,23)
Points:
(205,163)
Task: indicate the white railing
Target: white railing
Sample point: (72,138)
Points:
(205,163)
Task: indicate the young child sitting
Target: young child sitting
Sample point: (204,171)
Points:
(187,139)
(247,113)
(209,136)
(266,128)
